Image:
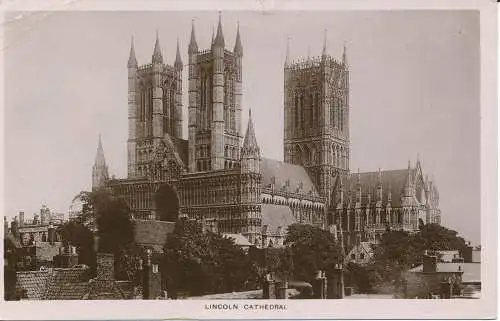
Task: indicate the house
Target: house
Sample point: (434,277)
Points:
(361,254)
(446,279)
(74,283)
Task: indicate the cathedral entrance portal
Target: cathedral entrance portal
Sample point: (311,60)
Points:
(167,203)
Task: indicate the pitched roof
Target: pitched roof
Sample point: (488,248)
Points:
(392,180)
(282,172)
(275,216)
(152,233)
(238,239)
(54,284)
(33,282)
(104,290)
(67,284)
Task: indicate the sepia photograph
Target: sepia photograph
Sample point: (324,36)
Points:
(243,156)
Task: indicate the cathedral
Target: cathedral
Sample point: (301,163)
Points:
(218,175)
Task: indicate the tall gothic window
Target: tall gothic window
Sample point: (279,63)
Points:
(333,106)
(311,111)
(315,110)
(341,118)
(302,114)
(296,111)
(171,114)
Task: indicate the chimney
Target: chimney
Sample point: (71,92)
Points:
(21,218)
(67,258)
(268,287)
(319,285)
(429,264)
(5,225)
(467,254)
(52,234)
(14,227)
(281,288)
(151,277)
(335,283)
(105,266)
(36,220)
(43,215)
(446,289)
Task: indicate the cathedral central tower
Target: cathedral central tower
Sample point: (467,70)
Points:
(316,126)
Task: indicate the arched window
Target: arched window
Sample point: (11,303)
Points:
(316,110)
(296,111)
(333,106)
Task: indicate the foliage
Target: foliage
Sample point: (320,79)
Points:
(79,236)
(107,217)
(399,251)
(310,249)
(434,237)
(200,262)
(364,279)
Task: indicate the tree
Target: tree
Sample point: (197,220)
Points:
(399,251)
(80,236)
(434,237)
(310,249)
(200,262)
(108,218)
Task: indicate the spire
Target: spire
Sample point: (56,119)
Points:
(132,61)
(219,38)
(100,161)
(178,60)
(344,55)
(157,56)
(379,177)
(287,57)
(250,145)
(324,44)
(213,36)
(193,46)
(408,181)
(238,48)
(100,169)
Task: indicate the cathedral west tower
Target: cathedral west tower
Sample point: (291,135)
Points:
(215,88)
(154,107)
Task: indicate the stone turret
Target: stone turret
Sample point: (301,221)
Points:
(217,127)
(192,100)
(178,65)
(132,111)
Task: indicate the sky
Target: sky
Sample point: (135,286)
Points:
(414,90)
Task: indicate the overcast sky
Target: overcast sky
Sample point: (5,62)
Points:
(414,90)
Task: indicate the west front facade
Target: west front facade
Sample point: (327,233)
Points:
(218,175)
